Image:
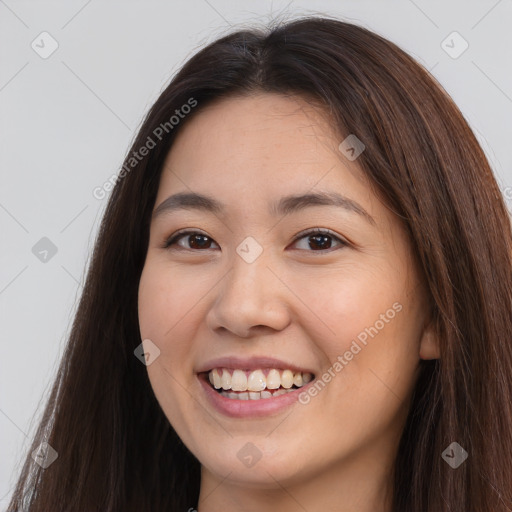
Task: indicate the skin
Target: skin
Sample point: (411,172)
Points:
(297,301)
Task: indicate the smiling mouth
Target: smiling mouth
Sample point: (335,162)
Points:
(238,384)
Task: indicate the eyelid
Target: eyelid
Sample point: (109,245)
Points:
(321,231)
(178,234)
(310,231)
(343,242)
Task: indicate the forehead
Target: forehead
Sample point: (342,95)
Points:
(260,143)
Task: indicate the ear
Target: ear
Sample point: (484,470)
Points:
(429,344)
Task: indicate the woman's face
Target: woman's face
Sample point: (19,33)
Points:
(249,299)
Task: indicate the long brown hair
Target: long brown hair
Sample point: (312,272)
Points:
(116,449)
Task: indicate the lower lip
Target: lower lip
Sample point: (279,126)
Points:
(249,408)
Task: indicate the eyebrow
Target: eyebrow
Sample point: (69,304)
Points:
(284,206)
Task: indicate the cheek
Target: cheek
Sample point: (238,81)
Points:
(165,299)
(348,303)
(164,308)
(368,332)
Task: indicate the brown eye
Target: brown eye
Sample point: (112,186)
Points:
(195,239)
(320,240)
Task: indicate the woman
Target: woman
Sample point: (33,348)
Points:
(299,297)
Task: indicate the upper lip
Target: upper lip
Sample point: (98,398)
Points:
(252,363)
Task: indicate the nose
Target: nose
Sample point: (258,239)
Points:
(250,298)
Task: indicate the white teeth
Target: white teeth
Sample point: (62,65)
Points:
(273,379)
(256,381)
(226,380)
(214,376)
(255,384)
(239,381)
(287,379)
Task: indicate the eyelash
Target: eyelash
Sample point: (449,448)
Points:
(315,231)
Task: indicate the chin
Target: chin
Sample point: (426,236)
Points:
(249,466)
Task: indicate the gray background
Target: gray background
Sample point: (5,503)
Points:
(67,121)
